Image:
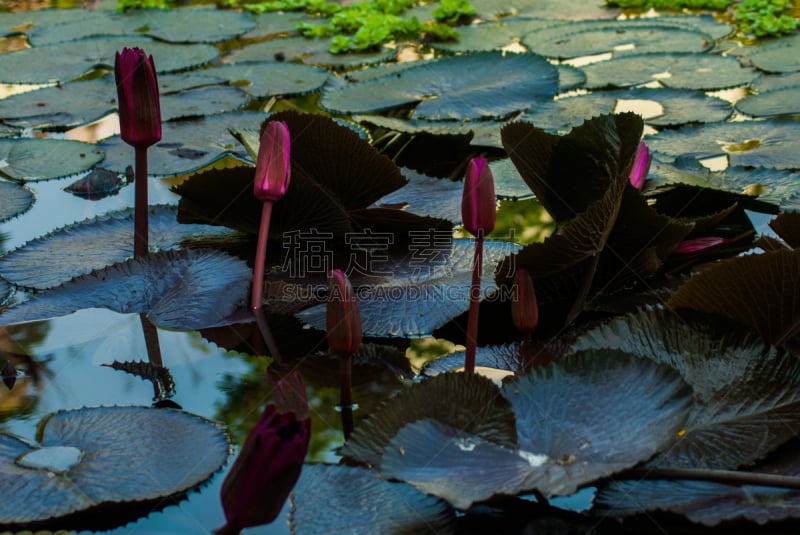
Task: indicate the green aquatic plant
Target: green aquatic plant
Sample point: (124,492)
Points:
(765,17)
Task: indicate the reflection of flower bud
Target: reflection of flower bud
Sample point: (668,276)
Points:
(266,469)
(641,166)
(697,245)
(524,309)
(137,98)
(478,203)
(273,166)
(343,322)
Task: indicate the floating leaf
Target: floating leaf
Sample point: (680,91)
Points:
(428,196)
(771,103)
(43,159)
(491,35)
(267,79)
(158,375)
(473,404)
(111,456)
(93,244)
(550,9)
(15,200)
(359,501)
(574,426)
(516,357)
(757,291)
(679,71)
(787,227)
(195,24)
(772,83)
(772,144)
(308,51)
(485,133)
(187,289)
(67,61)
(274,23)
(779,55)
(427,289)
(98,184)
(747,393)
(202,101)
(472,86)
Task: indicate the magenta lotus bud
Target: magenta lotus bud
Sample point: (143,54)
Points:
(343,321)
(478,205)
(641,166)
(273,167)
(697,245)
(524,309)
(137,98)
(266,470)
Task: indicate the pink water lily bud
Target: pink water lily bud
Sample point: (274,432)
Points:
(478,205)
(697,245)
(266,470)
(273,167)
(524,309)
(641,166)
(343,321)
(137,98)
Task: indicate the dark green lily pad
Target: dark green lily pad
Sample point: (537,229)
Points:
(74,25)
(787,227)
(779,55)
(757,291)
(492,35)
(680,71)
(112,456)
(266,79)
(516,357)
(66,61)
(428,196)
(574,426)
(308,51)
(772,103)
(485,133)
(43,159)
(14,200)
(186,146)
(547,9)
(359,501)
(772,144)
(202,101)
(93,244)
(678,108)
(569,77)
(474,404)
(423,293)
(771,83)
(187,289)
(620,38)
(773,185)
(472,86)
(198,24)
(508,184)
(26,21)
(271,24)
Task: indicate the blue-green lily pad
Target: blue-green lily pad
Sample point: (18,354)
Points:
(771,103)
(93,458)
(14,200)
(473,86)
(423,293)
(198,24)
(359,501)
(43,159)
(267,79)
(308,51)
(492,35)
(680,71)
(187,289)
(779,55)
(771,83)
(275,23)
(548,9)
(96,243)
(485,133)
(772,144)
(428,196)
(66,61)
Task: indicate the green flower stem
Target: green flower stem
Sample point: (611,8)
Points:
(474,304)
(140,210)
(257,295)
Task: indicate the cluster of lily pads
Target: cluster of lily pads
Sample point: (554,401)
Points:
(668,388)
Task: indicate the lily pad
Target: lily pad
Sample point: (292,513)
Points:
(66,61)
(757,291)
(96,243)
(772,103)
(677,107)
(266,79)
(771,83)
(196,24)
(485,133)
(620,38)
(272,24)
(771,144)
(787,227)
(780,55)
(428,196)
(188,289)
(361,502)
(126,454)
(574,426)
(680,71)
(42,159)
(424,293)
(549,9)
(14,200)
(492,35)
(474,405)
(746,392)
(308,51)
(472,86)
